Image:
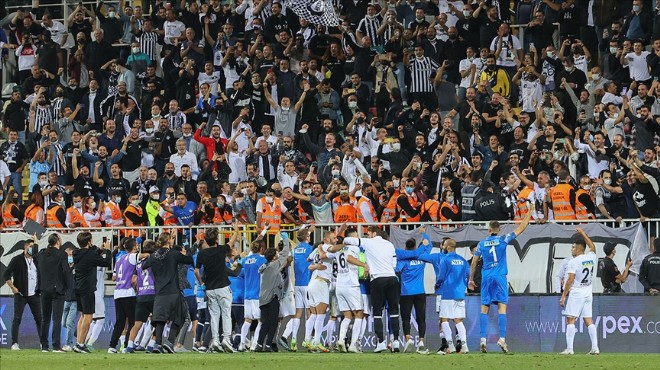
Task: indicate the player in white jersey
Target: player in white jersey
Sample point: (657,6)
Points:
(98,319)
(349,297)
(318,290)
(579,289)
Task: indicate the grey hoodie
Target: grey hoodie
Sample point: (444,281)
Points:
(272,283)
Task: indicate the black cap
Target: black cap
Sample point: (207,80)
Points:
(608,248)
(487,185)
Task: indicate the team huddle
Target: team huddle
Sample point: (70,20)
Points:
(236,302)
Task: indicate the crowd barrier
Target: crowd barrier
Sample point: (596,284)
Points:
(625,323)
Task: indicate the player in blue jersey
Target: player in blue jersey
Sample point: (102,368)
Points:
(237,301)
(302,274)
(494,285)
(452,280)
(411,272)
(250,273)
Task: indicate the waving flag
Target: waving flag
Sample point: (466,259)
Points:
(319,12)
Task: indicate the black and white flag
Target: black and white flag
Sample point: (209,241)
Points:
(319,12)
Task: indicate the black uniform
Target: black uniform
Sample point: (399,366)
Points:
(491,206)
(649,271)
(608,273)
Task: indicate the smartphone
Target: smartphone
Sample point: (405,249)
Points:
(624,91)
(105,239)
(560,141)
(280,133)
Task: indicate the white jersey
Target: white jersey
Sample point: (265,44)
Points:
(583,268)
(347,273)
(530,91)
(327,273)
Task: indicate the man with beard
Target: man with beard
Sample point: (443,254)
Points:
(644,127)
(214,143)
(134,146)
(167,180)
(98,53)
(495,77)
(125,115)
(111,138)
(109,107)
(142,185)
(164,145)
(290,153)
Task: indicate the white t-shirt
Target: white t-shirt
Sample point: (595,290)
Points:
(237,163)
(463,66)
(381,257)
(173,29)
(260,208)
(443,7)
(326,274)
(32,276)
(582,64)
(506,58)
(57,32)
(212,80)
(583,268)
(637,66)
(530,91)
(347,273)
(539,195)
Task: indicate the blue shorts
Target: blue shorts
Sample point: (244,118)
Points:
(494,289)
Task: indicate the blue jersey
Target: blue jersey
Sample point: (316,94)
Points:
(411,270)
(453,276)
(435,259)
(192,280)
(252,276)
(301,264)
(493,252)
(237,286)
(185,215)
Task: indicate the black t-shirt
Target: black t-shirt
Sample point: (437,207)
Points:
(215,270)
(84,186)
(47,54)
(646,199)
(164,265)
(133,151)
(608,274)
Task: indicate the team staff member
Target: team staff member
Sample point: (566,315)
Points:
(53,270)
(86,259)
(22,277)
(610,276)
(649,271)
(169,304)
(55,214)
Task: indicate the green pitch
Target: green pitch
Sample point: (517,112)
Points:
(32,359)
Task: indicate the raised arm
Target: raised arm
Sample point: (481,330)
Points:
(587,239)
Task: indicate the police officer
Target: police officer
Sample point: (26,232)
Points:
(649,271)
(609,272)
(491,205)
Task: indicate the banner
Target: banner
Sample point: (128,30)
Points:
(11,244)
(534,257)
(624,324)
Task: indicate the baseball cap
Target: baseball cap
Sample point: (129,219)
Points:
(608,247)
(154,189)
(486,185)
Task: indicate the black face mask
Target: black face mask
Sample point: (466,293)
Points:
(391,191)
(490,68)
(169,172)
(277,193)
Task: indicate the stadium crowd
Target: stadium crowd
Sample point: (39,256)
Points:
(240,112)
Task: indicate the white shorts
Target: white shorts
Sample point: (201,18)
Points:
(452,309)
(578,306)
(287,305)
(334,304)
(349,299)
(318,291)
(99,307)
(301,297)
(366,304)
(201,303)
(252,310)
(438,300)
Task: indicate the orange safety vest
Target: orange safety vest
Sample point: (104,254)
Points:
(523,207)
(402,214)
(169,219)
(220,218)
(96,223)
(135,232)
(452,207)
(389,212)
(7,219)
(303,216)
(581,212)
(52,222)
(345,213)
(336,202)
(271,215)
(359,215)
(32,211)
(75,216)
(561,203)
(115,213)
(431,208)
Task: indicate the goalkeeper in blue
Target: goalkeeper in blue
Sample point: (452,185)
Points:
(494,285)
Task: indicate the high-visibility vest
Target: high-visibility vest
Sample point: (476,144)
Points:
(271,215)
(76,217)
(8,220)
(96,223)
(372,210)
(402,214)
(169,219)
(138,211)
(52,222)
(561,202)
(115,214)
(32,213)
(431,208)
(303,216)
(452,207)
(389,212)
(222,218)
(345,213)
(581,212)
(523,207)
(336,202)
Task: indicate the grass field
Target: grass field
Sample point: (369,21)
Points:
(34,360)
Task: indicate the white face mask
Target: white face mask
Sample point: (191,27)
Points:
(595,76)
(111,14)
(118,200)
(467,13)
(587,187)
(607,181)
(269,199)
(352,104)
(135,203)
(135,50)
(396,183)
(187,135)
(155,196)
(77,204)
(396,147)
(568,69)
(335,172)
(244,191)
(149,130)
(613,50)
(307,191)
(450,199)
(550,54)
(43,183)
(93,205)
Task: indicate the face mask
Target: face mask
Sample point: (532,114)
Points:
(420,58)
(636,8)
(118,200)
(63,203)
(396,183)
(595,76)
(285,109)
(169,172)
(221,204)
(409,189)
(149,130)
(188,134)
(1,198)
(335,173)
(352,104)
(307,191)
(277,193)
(59,93)
(43,183)
(155,196)
(93,205)
(607,181)
(135,203)
(453,37)
(111,14)
(450,199)
(69,260)
(587,187)
(613,50)
(155,116)
(135,50)
(396,147)
(568,69)
(77,204)
(244,191)
(467,13)
(269,199)
(419,20)
(30,251)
